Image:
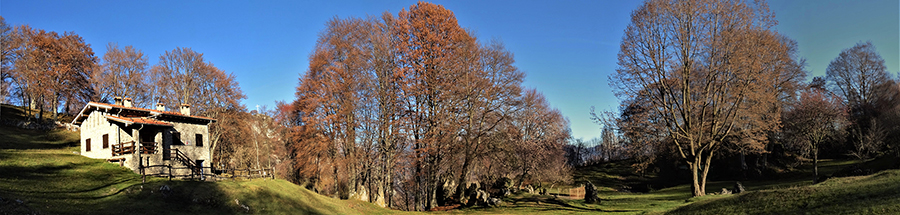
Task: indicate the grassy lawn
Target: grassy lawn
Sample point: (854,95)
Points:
(44,171)
(873,194)
(41,171)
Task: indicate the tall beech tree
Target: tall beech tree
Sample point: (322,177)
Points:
(124,73)
(698,65)
(432,55)
(405,111)
(816,118)
(856,75)
(859,76)
(8,41)
(52,70)
(540,134)
(182,77)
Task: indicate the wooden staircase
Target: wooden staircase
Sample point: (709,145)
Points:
(185,160)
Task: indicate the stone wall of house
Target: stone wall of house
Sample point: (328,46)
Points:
(96,125)
(189,133)
(186,143)
(93,128)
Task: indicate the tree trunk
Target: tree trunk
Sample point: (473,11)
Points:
(743,161)
(463,179)
(815,165)
(765,156)
(705,172)
(56,107)
(418,192)
(41,106)
(695,183)
(256,141)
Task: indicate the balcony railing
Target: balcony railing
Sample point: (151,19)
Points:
(128,148)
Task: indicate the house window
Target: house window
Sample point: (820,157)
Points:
(87,145)
(106,141)
(199,140)
(176,138)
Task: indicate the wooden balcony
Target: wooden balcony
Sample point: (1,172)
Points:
(128,148)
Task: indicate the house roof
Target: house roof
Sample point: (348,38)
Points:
(137,120)
(138,114)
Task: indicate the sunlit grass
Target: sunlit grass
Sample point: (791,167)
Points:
(874,194)
(44,171)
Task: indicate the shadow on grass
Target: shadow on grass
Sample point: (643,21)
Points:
(55,182)
(22,139)
(266,202)
(875,194)
(553,204)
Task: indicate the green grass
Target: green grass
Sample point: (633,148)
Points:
(873,194)
(43,171)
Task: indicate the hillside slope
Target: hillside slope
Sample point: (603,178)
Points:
(878,193)
(42,172)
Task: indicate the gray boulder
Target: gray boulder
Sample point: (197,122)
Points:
(590,193)
(738,187)
(529,189)
(505,192)
(482,198)
(494,202)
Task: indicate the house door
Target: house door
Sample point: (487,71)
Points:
(166,145)
(200,168)
(148,135)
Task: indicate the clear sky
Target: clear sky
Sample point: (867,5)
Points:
(566,48)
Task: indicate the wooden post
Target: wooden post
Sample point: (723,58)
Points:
(170,171)
(136,133)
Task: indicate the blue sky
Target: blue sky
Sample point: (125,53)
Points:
(566,48)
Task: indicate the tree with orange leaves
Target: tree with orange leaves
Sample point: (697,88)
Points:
(52,70)
(709,69)
(816,118)
(124,73)
(432,48)
(405,111)
(182,76)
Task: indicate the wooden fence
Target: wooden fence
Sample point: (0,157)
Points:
(207,173)
(576,193)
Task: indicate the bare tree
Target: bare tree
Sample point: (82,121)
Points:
(52,70)
(404,111)
(856,75)
(182,77)
(124,74)
(815,119)
(7,45)
(696,63)
(860,77)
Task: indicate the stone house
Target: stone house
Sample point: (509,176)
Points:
(162,142)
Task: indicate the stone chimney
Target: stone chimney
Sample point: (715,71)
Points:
(117,100)
(160,107)
(127,102)
(186,109)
